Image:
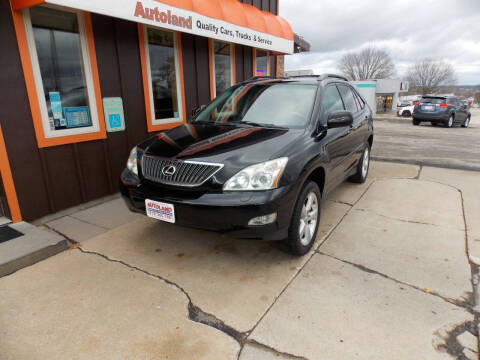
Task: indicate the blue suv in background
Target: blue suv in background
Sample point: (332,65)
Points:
(437,109)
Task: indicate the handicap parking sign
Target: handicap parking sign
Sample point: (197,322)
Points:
(113,111)
(115,121)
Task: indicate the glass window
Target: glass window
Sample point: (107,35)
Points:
(360,102)
(331,102)
(432,100)
(62,71)
(162,68)
(262,67)
(222,66)
(285,105)
(348,98)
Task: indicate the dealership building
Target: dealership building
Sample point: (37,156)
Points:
(83,81)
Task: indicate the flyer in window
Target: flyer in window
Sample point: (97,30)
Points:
(77,116)
(55,104)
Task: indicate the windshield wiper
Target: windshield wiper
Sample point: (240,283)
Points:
(252,123)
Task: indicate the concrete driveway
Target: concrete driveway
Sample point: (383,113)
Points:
(393,275)
(396,139)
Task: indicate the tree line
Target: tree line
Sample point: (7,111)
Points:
(426,76)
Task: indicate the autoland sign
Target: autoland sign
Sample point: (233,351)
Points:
(158,14)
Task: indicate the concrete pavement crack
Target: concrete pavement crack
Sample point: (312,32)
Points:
(325,238)
(195,313)
(398,219)
(340,202)
(280,354)
(466,304)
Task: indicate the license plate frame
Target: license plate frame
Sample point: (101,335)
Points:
(428,107)
(160,210)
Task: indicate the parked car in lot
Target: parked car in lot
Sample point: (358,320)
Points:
(257,161)
(405,111)
(445,110)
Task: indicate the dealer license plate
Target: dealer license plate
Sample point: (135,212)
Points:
(160,210)
(427,107)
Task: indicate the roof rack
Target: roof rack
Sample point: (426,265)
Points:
(320,77)
(326,76)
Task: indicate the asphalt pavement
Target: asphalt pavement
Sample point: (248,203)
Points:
(398,140)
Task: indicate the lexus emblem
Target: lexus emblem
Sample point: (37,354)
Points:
(168,170)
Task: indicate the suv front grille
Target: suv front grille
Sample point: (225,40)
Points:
(185,173)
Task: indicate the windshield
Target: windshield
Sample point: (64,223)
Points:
(264,104)
(432,100)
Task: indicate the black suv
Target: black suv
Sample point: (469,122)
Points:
(257,161)
(446,110)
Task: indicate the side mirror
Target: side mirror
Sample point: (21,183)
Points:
(338,119)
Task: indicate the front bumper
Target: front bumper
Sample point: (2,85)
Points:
(227,212)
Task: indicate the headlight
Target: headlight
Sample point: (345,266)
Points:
(262,176)
(132,161)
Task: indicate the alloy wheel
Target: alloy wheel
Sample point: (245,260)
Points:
(450,121)
(365,162)
(308,218)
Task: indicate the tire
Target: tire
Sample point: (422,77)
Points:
(433,123)
(362,167)
(466,122)
(450,121)
(406,113)
(306,216)
(415,122)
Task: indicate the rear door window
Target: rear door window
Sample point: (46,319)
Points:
(348,98)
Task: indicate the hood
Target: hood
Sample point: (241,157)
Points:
(220,143)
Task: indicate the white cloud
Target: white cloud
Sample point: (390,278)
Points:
(408,29)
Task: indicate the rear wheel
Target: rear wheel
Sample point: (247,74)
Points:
(467,122)
(406,113)
(306,217)
(449,122)
(415,122)
(362,167)
(433,123)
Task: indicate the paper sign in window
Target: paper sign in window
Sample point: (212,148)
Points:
(77,116)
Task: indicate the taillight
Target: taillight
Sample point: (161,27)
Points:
(444,106)
(416,103)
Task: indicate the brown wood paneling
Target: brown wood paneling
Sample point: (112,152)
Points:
(247,62)
(273,65)
(202,70)
(116,145)
(131,81)
(273,7)
(62,169)
(93,169)
(17,125)
(239,72)
(265,5)
(189,67)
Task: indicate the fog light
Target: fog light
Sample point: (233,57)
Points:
(263,220)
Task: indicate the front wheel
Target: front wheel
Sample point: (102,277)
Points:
(406,113)
(306,217)
(362,167)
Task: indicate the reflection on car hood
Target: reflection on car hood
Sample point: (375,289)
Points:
(210,142)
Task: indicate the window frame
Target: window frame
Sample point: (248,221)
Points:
(255,62)
(152,123)
(339,86)
(211,57)
(34,82)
